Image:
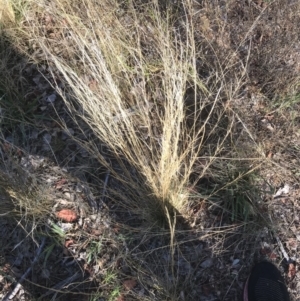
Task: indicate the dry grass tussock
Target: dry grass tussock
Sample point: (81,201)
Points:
(133,77)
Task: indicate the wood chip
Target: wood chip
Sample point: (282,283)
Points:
(67,215)
(129,284)
(69,242)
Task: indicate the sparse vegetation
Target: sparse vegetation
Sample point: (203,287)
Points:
(164,127)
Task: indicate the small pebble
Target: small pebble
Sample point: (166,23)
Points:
(67,195)
(51,98)
(207,263)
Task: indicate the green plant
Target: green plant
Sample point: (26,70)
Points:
(58,231)
(95,297)
(93,250)
(114,294)
(47,252)
(287,102)
(111,281)
(110,277)
(239,195)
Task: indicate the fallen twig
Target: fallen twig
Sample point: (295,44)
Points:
(284,253)
(12,294)
(105,185)
(59,286)
(281,247)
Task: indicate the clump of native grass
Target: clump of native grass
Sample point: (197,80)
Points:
(127,72)
(158,105)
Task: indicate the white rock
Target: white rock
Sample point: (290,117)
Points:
(67,195)
(45,273)
(207,263)
(47,138)
(66,226)
(51,98)
(284,190)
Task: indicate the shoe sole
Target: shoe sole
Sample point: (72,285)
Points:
(265,283)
